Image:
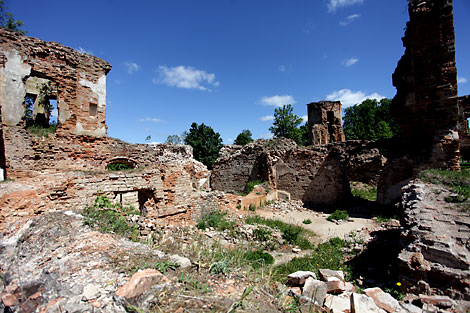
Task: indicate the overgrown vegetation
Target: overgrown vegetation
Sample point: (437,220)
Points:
(258,258)
(8,21)
(326,255)
(295,235)
(42,131)
(458,182)
(251,185)
(119,167)
(215,219)
(105,216)
(244,138)
(338,215)
(363,191)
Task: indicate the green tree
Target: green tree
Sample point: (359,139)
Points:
(370,120)
(173,139)
(286,124)
(205,142)
(243,138)
(7,21)
(304,138)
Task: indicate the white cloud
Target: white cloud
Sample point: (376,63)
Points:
(335,4)
(461,80)
(304,118)
(267,118)
(278,101)
(230,140)
(349,19)
(349,98)
(266,136)
(81,50)
(132,67)
(149,119)
(185,77)
(350,62)
(282,68)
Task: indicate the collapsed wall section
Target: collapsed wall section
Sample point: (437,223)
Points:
(317,175)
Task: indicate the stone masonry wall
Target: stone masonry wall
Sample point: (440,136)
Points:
(425,105)
(76,80)
(325,122)
(317,175)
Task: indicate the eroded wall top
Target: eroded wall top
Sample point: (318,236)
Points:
(33,68)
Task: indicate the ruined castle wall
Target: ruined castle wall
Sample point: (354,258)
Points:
(425,105)
(325,122)
(77,81)
(317,175)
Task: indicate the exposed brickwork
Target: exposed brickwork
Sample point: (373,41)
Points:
(317,175)
(325,122)
(76,80)
(426,103)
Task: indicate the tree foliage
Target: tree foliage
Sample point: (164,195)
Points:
(205,142)
(370,120)
(7,20)
(243,138)
(173,139)
(286,124)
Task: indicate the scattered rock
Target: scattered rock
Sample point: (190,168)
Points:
(383,300)
(314,291)
(181,261)
(338,304)
(440,301)
(361,303)
(298,278)
(140,283)
(335,285)
(325,273)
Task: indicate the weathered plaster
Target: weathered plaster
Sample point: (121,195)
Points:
(98,132)
(99,89)
(12,88)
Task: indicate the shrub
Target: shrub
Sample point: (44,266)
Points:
(251,185)
(307,221)
(215,219)
(104,216)
(118,167)
(252,207)
(338,215)
(262,234)
(290,233)
(258,258)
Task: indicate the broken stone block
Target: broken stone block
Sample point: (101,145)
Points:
(440,301)
(361,303)
(382,299)
(298,278)
(325,273)
(140,283)
(338,304)
(283,195)
(411,308)
(314,291)
(335,285)
(181,261)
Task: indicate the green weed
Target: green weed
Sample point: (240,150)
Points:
(258,258)
(307,221)
(215,219)
(338,215)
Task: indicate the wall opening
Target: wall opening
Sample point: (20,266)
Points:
(28,108)
(54,111)
(93,110)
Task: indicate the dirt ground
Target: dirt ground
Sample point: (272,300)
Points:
(320,225)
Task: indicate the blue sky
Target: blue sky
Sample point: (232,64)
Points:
(229,63)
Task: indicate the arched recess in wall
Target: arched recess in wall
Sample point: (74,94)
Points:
(120,164)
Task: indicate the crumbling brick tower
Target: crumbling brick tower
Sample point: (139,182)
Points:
(325,122)
(426,105)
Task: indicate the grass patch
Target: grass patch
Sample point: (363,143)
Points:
(104,216)
(258,258)
(251,185)
(364,191)
(290,233)
(215,219)
(338,215)
(41,131)
(458,182)
(326,255)
(119,167)
(307,221)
